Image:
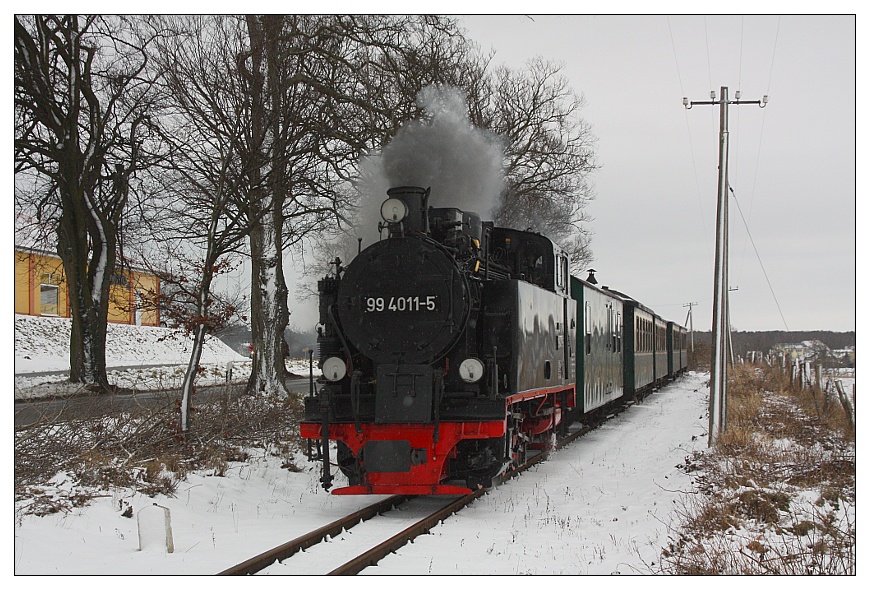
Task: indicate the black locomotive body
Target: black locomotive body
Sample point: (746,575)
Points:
(450,348)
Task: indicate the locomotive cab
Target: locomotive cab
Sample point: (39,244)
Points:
(530,257)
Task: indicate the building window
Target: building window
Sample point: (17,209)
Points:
(119,280)
(49,296)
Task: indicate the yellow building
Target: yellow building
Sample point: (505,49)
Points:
(41,289)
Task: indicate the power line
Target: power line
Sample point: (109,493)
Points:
(709,68)
(754,182)
(688,131)
(760,139)
(740,66)
(676,61)
(757,255)
(773,57)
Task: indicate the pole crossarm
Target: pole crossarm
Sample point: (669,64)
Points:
(689,104)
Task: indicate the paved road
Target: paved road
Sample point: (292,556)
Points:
(117,368)
(29,412)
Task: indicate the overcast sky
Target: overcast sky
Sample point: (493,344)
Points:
(792,164)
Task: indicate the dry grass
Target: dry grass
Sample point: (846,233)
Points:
(143,450)
(776,494)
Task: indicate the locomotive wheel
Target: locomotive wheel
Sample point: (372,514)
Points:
(484,464)
(514,446)
(517,445)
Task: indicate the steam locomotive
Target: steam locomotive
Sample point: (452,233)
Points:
(451,348)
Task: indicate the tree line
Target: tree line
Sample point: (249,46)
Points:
(744,342)
(193,143)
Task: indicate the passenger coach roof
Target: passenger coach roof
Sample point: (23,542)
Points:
(629,300)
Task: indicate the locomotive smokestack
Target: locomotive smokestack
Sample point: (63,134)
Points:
(416,202)
(442,150)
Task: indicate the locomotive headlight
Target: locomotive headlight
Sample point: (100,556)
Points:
(334,368)
(394,210)
(471,370)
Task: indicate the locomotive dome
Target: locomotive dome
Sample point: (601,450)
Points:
(403,300)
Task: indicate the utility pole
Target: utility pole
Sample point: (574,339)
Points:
(690,321)
(718,371)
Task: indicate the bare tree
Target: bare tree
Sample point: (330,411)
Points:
(549,154)
(261,69)
(322,90)
(548,147)
(433,52)
(83,104)
(215,167)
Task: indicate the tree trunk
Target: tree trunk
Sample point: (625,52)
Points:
(268,288)
(202,311)
(88,280)
(268,310)
(57,76)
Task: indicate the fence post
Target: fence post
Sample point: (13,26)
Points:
(155,529)
(801,369)
(848,405)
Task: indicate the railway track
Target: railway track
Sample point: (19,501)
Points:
(419,526)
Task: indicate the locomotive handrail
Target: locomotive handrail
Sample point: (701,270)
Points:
(354,398)
(326,474)
(340,334)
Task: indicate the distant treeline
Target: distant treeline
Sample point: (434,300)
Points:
(764,341)
(238,337)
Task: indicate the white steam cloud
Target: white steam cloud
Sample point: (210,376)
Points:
(462,164)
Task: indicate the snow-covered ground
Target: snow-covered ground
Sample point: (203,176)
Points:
(140,357)
(601,506)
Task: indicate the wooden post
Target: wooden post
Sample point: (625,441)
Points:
(848,405)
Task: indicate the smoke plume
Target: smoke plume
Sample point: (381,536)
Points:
(443,150)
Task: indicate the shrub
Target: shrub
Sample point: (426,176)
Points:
(754,511)
(142,450)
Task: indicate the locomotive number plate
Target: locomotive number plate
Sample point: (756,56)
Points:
(409,303)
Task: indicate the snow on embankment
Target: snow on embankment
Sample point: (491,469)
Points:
(42,344)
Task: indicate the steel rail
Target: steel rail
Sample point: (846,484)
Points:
(423,526)
(375,554)
(282,552)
